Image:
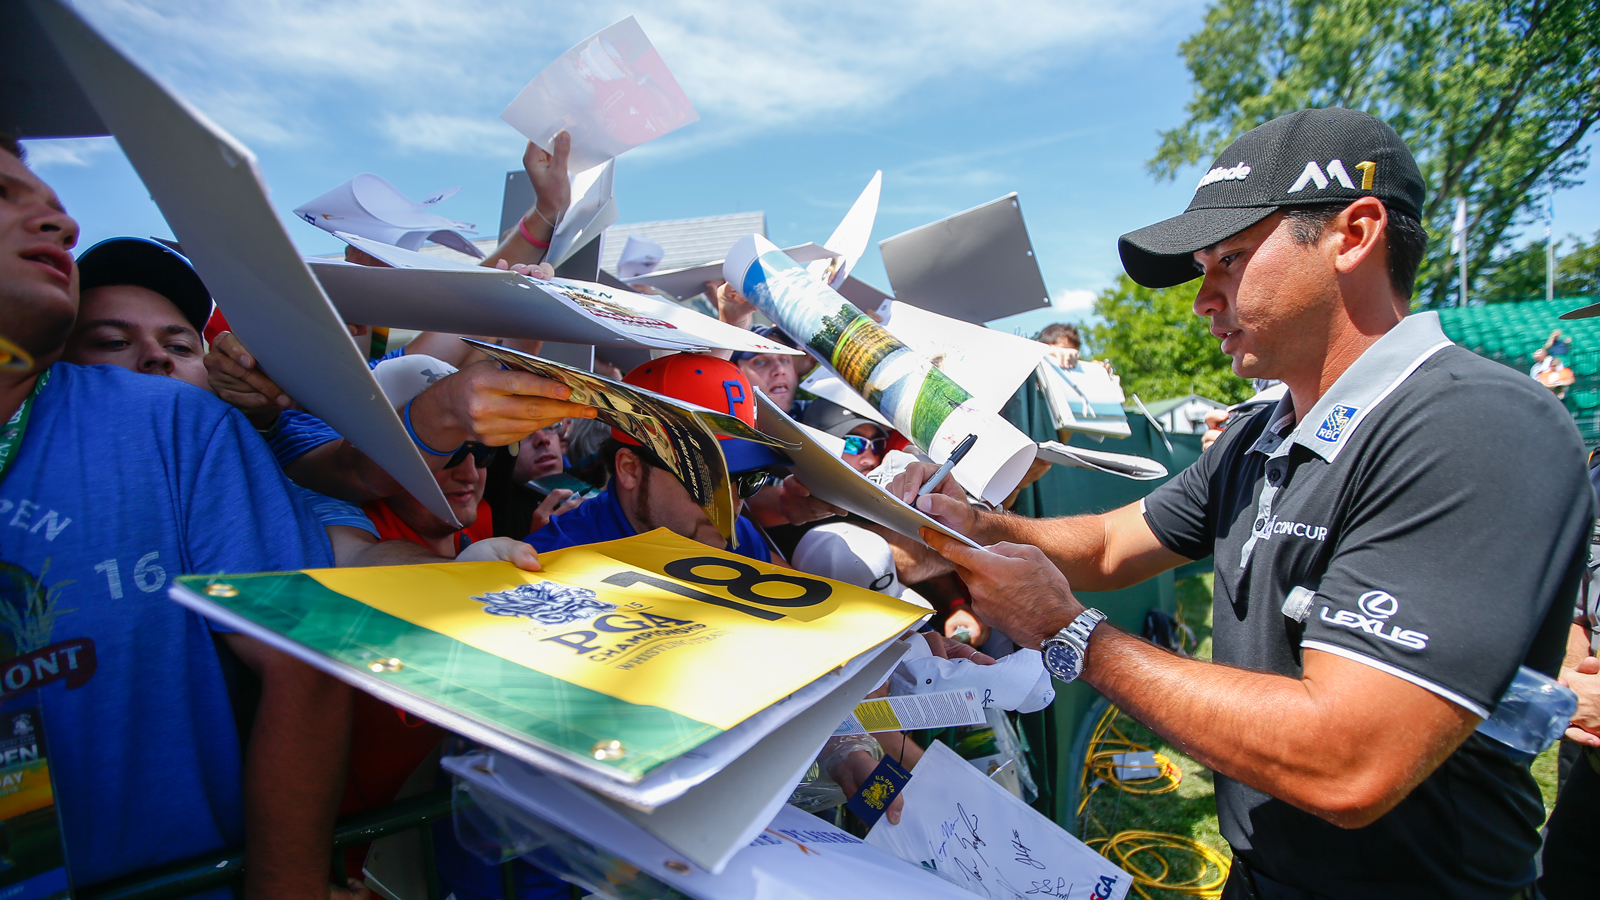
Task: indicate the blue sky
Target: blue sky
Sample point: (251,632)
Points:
(1058,100)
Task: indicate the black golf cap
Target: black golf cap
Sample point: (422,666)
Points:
(150,265)
(1306,158)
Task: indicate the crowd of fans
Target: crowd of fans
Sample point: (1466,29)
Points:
(213,467)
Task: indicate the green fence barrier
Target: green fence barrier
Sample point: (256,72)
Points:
(1055,735)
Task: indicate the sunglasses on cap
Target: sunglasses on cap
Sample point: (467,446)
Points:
(855,445)
(481,455)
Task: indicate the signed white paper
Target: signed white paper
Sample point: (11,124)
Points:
(973,833)
(611,93)
(1138,468)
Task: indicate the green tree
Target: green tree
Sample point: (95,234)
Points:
(1520,274)
(1494,98)
(1159,346)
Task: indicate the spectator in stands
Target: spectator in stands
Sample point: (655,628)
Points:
(1550,365)
(147,762)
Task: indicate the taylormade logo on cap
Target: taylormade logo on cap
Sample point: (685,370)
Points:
(1234,173)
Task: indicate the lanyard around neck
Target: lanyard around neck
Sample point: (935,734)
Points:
(11,434)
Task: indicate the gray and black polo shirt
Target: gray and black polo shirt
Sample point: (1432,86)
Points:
(1420,520)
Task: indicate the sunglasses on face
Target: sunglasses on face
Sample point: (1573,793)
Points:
(481,455)
(855,445)
(748,484)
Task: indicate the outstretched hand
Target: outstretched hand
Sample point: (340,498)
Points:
(234,376)
(946,504)
(554,504)
(502,549)
(490,405)
(1015,588)
(1585,682)
(548,174)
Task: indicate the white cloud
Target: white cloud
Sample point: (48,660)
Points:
(67,151)
(1075,304)
(432,77)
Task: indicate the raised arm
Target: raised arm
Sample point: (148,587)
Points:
(553,194)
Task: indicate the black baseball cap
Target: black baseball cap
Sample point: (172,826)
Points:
(771,333)
(151,265)
(1306,158)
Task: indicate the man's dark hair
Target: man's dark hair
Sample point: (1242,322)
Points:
(608,456)
(1404,236)
(1060,331)
(10,145)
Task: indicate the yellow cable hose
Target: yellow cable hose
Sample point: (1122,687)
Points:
(1145,854)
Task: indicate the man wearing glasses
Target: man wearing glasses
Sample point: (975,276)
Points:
(643,496)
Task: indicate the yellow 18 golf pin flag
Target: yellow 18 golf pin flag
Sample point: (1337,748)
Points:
(623,655)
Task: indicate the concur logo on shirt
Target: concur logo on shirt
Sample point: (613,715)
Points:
(1334,424)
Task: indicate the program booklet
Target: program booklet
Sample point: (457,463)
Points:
(33,864)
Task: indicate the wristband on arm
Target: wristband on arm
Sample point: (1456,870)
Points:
(405,417)
(522,228)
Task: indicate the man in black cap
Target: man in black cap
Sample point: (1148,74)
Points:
(143,308)
(1374,591)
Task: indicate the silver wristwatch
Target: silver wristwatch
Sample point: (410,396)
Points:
(1064,653)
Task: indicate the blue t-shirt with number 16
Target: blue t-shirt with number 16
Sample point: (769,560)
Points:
(122,482)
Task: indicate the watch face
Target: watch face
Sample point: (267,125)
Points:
(1063,661)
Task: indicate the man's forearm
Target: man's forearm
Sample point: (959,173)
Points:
(294,775)
(339,470)
(1279,735)
(1104,552)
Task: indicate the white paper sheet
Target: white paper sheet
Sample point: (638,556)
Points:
(593,210)
(1083,398)
(210,191)
(974,834)
(611,92)
(832,479)
(850,239)
(426,293)
(1138,468)
(939,709)
(796,856)
(370,206)
(988,363)
(686,282)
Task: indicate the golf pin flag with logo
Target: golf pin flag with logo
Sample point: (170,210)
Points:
(629,653)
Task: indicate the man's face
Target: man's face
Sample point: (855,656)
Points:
(540,454)
(38,280)
(1270,300)
(139,330)
(463,486)
(866,460)
(654,498)
(774,374)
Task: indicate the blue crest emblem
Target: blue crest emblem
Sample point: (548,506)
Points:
(1334,424)
(545,602)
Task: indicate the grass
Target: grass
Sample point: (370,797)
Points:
(1190,810)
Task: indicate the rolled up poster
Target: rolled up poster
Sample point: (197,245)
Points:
(924,403)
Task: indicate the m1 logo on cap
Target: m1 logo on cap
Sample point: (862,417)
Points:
(1312,174)
(1335,423)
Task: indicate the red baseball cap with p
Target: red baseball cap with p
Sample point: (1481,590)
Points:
(715,384)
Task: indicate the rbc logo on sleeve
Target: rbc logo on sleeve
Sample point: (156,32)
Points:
(1334,424)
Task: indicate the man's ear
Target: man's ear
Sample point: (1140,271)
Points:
(1358,233)
(630,469)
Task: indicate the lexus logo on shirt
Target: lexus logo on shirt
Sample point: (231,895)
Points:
(1376,607)
(1378,604)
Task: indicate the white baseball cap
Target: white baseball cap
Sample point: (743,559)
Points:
(371,207)
(854,555)
(404,377)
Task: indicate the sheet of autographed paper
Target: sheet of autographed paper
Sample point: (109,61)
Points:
(973,833)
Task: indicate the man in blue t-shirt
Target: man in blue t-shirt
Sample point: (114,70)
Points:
(643,495)
(112,484)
